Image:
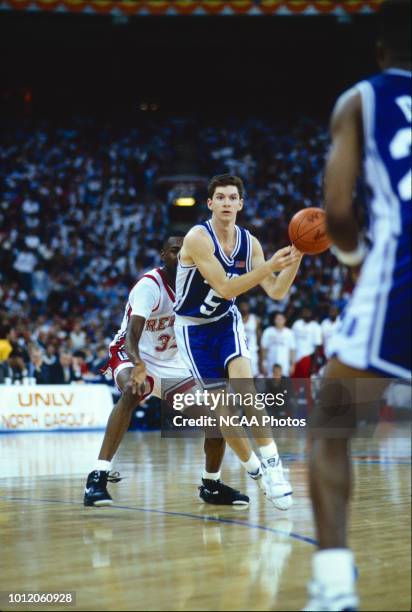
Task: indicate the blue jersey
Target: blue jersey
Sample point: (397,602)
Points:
(375,328)
(194,296)
(386,106)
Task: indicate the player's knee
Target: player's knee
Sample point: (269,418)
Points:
(129,400)
(335,409)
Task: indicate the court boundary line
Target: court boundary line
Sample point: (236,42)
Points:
(205,518)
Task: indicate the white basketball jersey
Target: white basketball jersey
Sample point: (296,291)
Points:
(250,327)
(308,336)
(152,298)
(328,328)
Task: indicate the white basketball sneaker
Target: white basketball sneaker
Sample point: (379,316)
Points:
(272,481)
(333,587)
(328,600)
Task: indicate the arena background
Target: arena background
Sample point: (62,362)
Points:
(110,111)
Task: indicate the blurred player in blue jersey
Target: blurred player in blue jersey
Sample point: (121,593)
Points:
(371,131)
(220,260)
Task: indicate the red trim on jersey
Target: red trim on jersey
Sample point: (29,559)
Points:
(168,288)
(150,276)
(119,343)
(157,283)
(150,380)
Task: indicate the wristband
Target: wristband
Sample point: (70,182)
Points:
(351,258)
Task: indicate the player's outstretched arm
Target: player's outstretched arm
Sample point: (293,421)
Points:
(277,286)
(134,331)
(342,169)
(198,247)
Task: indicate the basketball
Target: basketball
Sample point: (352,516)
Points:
(307,231)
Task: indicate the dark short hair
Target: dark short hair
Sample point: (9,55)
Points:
(276,365)
(223,180)
(168,237)
(394,28)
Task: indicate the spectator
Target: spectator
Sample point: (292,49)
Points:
(25,264)
(5,344)
(62,372)
(278,346)
(41,285)
(50,357)
(253,332)
(328,327)
(100,359)
(4,373)
(79,363)
(78,337)
(308,338)
(281,384)
(37,369)
(14,368)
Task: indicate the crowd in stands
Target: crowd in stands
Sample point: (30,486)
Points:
(80,221)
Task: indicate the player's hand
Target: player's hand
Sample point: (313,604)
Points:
(284,258)
(296,253)
(137,378)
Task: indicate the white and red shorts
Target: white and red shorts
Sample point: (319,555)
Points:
(159,372)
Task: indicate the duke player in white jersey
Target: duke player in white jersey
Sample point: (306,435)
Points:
(143,355)
(370,129)
(219,261)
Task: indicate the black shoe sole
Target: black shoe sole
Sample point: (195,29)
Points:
(215,502)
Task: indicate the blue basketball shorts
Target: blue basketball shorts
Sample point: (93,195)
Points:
(207,349)
(375,327)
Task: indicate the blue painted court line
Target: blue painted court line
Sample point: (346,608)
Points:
(205,518)
(358,459)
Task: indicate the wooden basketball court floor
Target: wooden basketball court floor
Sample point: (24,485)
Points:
(160,548)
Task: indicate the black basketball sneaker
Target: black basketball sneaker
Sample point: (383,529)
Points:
(215,492)
(95,493)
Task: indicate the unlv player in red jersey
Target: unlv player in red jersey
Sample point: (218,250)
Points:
(142,355)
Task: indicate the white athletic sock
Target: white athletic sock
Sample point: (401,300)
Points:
(102,466)
(252,465)
(334,568)
(269,451)
(211,475)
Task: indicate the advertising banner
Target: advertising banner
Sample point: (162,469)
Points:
(54,407)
